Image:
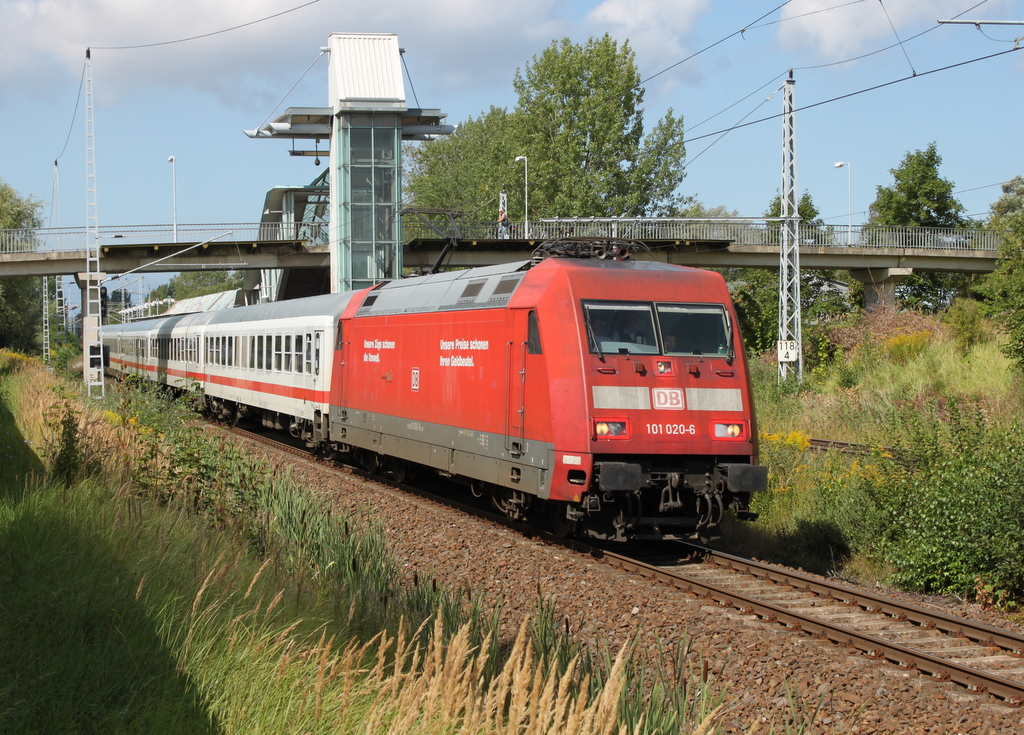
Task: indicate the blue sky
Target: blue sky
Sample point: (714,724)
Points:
(193,99)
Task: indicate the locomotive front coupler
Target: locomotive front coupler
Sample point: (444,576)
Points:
(671,499)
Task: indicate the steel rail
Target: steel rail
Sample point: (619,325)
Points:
(870,602)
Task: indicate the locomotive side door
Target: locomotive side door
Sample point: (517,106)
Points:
(516,350)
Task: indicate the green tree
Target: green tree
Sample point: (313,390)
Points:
(1004,288)
(581,118)
(20,298)
(18,212)
(466,170)
(189,284)
(579,122)
(1011,202)
(919,197)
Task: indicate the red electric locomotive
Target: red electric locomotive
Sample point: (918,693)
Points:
(612,393)
(609,393)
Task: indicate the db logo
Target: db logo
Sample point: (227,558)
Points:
(668,399)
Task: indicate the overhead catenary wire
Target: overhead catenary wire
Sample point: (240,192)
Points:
(206,35)
(765,101)
(724,132)
(882,50)
(817,66)
(74,116)
(872,88)
(716,43)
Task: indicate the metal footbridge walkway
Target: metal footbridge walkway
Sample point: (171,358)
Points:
(719,242)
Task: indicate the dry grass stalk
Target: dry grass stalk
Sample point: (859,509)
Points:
(449,692)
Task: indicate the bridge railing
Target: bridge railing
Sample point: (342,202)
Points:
(54,239)
(741,231)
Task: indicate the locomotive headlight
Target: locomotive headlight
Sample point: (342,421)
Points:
(608,429)
(734,430)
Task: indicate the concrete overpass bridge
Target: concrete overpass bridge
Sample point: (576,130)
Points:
(878,256)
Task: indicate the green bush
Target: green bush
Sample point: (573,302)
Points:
(967,324)
(959,523)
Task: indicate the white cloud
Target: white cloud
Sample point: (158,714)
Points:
(655,29)
(448,41)
(834,30)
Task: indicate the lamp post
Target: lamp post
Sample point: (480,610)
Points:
(526,194)
(849,200)
(174,193)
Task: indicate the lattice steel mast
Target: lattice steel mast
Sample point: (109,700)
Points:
(790,345)
(92,336)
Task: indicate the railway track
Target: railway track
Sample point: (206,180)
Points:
(978,657)
(946,648)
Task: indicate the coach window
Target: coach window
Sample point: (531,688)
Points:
(316,350)
(533,335)
(259,352)
(298,353)
(268,362)
(277,352)
(309,354)
(287,353)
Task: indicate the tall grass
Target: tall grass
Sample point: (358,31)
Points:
(155,579)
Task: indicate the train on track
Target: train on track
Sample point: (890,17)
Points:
(608,393)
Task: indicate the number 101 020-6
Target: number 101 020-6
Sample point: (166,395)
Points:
(655,429)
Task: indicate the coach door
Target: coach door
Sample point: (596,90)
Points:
(314,341)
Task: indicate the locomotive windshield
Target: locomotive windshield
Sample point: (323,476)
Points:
(657,328)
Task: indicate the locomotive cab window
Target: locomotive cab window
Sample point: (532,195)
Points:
(620,326)
(694,329)
(660,328)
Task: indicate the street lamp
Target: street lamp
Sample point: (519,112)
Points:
(526,194)
(849,200)
(174,193)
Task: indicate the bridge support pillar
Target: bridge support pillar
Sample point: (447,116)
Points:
(880,285)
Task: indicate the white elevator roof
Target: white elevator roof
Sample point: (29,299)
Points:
(365,72)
